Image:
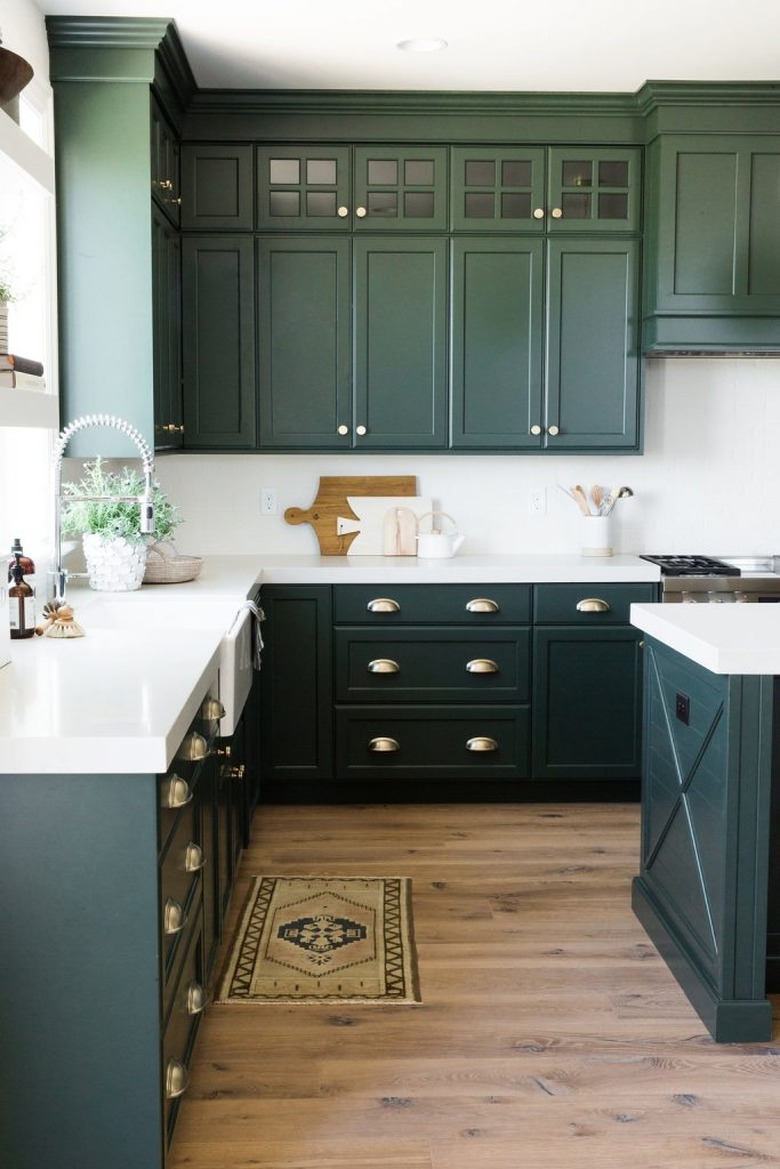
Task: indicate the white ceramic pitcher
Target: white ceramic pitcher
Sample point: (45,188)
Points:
(436,545)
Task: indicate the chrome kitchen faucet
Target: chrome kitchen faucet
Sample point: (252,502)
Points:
(145,499)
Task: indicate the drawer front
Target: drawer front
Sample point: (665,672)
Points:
(180,875)
(588,604)
(181,1028)
(478,605)
(434,742)
(445,665)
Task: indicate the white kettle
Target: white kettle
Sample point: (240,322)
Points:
(437,545)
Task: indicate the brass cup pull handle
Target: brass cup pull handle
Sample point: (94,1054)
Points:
(481,743)
(482,666)
(593,605)
(174,918)
(175,792)
(482,605)
(383,666)
(383,605)
(212,710)
(194,860)
(384,743)
(177,1079)
(195,998)
(193,748)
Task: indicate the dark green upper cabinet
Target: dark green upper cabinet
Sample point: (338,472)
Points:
(217,187)
(352,342)
(713,277)
(523,189)
(165,150)
(340,188)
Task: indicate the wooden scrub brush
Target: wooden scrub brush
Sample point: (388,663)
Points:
(59,621)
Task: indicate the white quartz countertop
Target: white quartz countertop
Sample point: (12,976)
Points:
(120,699)
(726,639)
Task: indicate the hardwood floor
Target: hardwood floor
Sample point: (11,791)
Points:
(550,1034)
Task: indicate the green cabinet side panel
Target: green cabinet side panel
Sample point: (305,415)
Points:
(400,342)
(303,307)
(496,343)
(218,360)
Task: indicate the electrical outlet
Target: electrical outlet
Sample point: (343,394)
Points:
(537,501)
(268,501)
(682,708)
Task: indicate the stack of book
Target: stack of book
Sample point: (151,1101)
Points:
(21,373)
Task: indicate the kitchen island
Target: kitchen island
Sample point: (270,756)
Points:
(707,890)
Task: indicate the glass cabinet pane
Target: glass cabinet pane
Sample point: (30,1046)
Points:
(321,171)
(284,170)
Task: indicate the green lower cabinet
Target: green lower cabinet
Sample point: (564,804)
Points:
(352,342)
(703,886)
(545,349)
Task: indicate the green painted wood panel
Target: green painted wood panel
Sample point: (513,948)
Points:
(498,188)
(166,308)
(217,188)
(497,304)
(593,362)
(304,188)
(219,354)
(400,188)
(400,328)
(304,335)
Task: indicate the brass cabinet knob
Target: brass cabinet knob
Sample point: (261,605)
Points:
(361,430)
(175,792)
(481,743)
(342,212)
(194,860)
(557,213)
(165,184)
(193,748)
(343,429)
(482,605)
(176,1079)
(482,666)
(593,605)
(361,212)
(225,751)
(553,430)
(536,428)
(383,605)
(383,666)
(383,743)
(174,918)
(538,212)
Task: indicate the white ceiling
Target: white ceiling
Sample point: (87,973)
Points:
(574,45)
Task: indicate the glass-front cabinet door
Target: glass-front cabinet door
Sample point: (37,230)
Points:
(593,190)
(498,189)
(400,188)
(303,187)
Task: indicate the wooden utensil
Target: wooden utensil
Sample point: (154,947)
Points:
(580,498)
(330,502)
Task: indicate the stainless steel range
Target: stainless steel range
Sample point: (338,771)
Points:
(709,580)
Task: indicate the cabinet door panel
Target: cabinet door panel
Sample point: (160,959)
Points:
(306,187)
(593,369)
(498,189)
(166,314)
(594,190)
(497,308)
(400,188)
(587,709)
(218,314)
(216,187)
(304,341)
(400,337)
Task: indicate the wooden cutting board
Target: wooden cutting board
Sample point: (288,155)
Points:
(331,501)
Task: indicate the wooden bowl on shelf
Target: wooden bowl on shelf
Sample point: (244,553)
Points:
(15,73)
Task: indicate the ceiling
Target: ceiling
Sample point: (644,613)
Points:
(577,45)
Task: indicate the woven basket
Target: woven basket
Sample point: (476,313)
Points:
(165,566)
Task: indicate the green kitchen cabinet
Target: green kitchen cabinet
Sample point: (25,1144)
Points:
(382,187)
(713,274)
(544,345)
(217,187)
(352,342)
(522,189)
(587,682)
(166,173)
(219,403)
(166,315)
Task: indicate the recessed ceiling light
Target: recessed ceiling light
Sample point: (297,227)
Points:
(422,45)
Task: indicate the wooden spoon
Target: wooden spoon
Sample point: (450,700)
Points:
(597,496)
(581,499)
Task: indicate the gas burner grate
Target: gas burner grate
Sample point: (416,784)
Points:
(693,566)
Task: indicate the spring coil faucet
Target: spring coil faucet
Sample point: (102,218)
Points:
(145,499)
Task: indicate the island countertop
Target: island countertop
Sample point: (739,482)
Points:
(725,639)
(121,698)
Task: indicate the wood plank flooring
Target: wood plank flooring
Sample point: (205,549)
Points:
(550,1034)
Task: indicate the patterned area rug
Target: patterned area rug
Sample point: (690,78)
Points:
(324,939)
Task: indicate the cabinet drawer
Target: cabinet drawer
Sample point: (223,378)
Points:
(477,604)
(181,1029)
(588,604)
(445,665)
(435,742)
(180,872)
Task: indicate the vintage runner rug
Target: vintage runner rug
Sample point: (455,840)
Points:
(324,939)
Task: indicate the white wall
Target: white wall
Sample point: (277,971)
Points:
(708,482)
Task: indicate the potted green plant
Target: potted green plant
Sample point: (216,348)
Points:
(103,508)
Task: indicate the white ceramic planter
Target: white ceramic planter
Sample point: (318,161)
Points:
(114,566)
